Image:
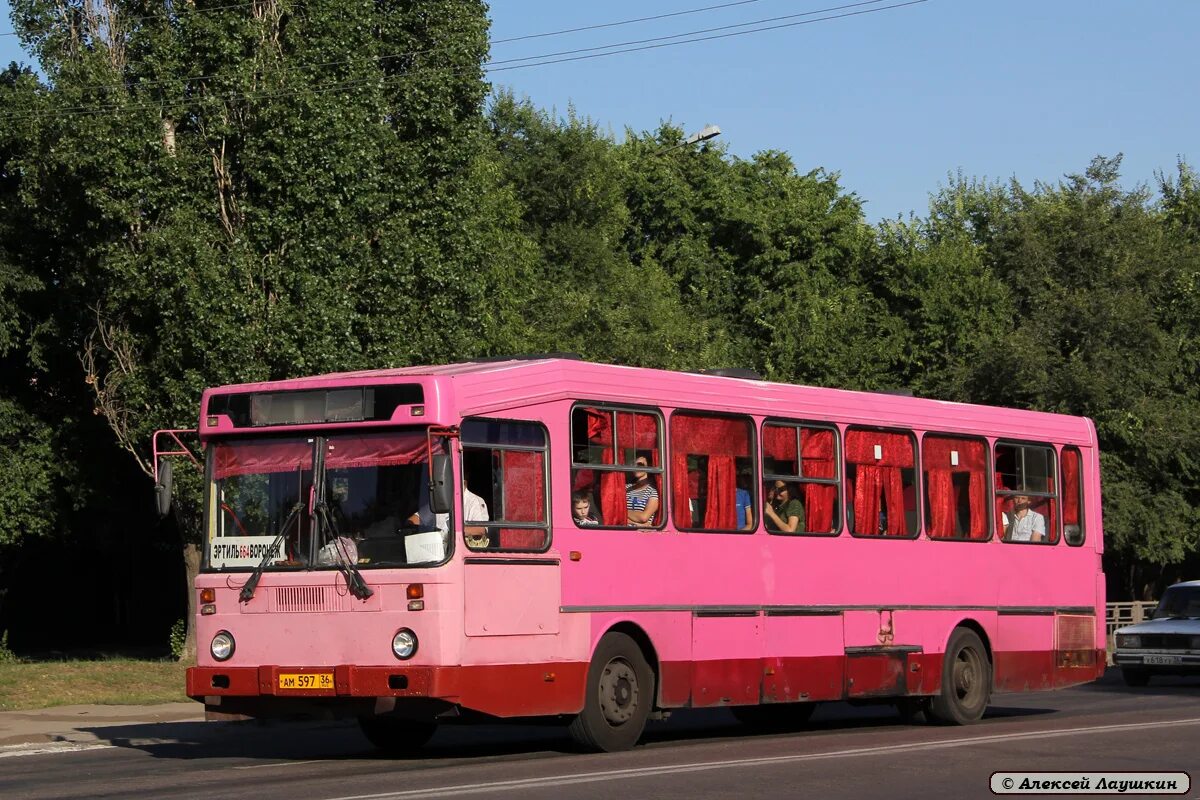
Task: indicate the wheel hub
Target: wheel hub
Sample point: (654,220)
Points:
(618,692)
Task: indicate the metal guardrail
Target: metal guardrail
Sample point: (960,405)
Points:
(1118,615)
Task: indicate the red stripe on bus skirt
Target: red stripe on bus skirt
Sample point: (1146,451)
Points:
(516,690)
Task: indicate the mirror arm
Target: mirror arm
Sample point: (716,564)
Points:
(173,447)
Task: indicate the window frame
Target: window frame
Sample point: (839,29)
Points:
(1055,496)
(545,526)
(661,469)
(752,429)
(988,489)
(838,481)
(1082,508)
(918,487)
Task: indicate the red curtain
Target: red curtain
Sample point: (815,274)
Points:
(274,455)
(683,489)
(524,499)
(1070,469)
(943,497)
(879,482)
(779,443)
(816,448)
(721,440)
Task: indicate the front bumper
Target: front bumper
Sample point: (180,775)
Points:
(348,681)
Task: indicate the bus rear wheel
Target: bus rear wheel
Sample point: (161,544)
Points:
(618,696)
(775,716)
(396,737)
(966,681)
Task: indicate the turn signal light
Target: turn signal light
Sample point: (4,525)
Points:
(415,591)
(208,595)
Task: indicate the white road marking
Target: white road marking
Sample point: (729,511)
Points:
(640,772)
(284,763)
(46,748)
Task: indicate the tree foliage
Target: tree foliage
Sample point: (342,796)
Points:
(199,194)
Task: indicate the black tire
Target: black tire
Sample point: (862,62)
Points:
(775,716)
(617,698)
(1134,676)
(396,737)
(966,681)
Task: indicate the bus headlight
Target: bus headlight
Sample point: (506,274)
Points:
(222,646)
(1129,640)
(404,644)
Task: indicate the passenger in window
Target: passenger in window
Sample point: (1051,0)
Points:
(474,508)
(1024,524)
(641,498)
(581,508)
(743,508)
(782,511)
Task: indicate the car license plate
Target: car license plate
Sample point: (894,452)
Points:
(1162,659)
(306,680)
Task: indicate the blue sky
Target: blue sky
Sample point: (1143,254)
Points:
(894,100)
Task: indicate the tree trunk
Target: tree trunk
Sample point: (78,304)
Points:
(191,563)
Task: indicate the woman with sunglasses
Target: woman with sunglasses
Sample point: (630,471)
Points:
(782,511)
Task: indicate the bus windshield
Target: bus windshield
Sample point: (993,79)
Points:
(376,497)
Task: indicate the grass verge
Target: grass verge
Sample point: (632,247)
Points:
(116,681)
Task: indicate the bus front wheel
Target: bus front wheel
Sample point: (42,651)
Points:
(618,696)
(396,737)
(966,681)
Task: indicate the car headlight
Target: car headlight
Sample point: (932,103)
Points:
(404,644)
(1129,640)
(222,646)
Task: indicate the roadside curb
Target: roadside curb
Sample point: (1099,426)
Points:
(82,724)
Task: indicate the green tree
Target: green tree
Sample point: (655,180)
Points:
(1102,324)
(233,193)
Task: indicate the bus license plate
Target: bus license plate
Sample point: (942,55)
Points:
(1162,659)
(311,680)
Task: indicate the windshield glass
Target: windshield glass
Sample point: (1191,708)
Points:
(1179,601)
(376,491)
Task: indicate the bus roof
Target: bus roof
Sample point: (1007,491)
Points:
(489,387)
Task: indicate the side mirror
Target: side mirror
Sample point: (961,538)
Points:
(162,489)
(441,489)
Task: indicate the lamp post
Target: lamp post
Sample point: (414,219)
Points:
(702,135)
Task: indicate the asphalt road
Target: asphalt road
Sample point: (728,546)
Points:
(844,752)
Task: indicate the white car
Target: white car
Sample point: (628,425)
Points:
(1166,644)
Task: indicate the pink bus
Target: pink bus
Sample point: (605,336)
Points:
(546,537)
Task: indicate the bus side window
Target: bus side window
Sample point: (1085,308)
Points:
(1072,496)
(956,471)
(881,482)
(616,460)
(504,465)
(1026,493)
(714,453)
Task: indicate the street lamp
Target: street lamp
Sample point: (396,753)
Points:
(702,135)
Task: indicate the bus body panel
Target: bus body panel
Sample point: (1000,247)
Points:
(724,618)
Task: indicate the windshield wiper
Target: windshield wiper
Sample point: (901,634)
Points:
(328,525)
(247,593)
